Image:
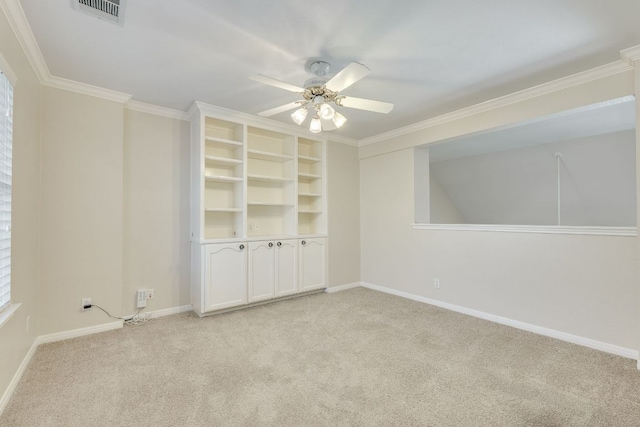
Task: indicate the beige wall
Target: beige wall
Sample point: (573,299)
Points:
(15,340)
(156,210)
(344,213)
(581,285)
(115,206)
(442,208)
(81,210)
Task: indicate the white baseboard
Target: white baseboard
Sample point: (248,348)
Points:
(563,336)
(74,333)
(65,335)
(343,287)
(16,377)
(170,311)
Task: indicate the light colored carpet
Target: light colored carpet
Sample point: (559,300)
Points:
(353,358)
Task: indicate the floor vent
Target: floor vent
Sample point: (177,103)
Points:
(109,10)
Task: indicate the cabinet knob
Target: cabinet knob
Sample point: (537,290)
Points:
(241,247)
(279,243)
(304,242)
(270,244)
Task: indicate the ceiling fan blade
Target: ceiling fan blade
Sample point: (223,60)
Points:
(277,83)
(365,104)
(347,76)
(280,109)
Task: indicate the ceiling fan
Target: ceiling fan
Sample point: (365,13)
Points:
(320,92)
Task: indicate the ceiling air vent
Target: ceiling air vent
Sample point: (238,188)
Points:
(109,10)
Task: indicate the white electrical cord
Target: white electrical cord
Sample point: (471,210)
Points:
(136,319)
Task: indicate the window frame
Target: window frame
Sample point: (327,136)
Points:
(8,308)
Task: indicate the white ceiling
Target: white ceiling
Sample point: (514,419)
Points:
(426,57)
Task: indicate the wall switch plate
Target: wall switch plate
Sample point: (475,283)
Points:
(85,302)
(151,293)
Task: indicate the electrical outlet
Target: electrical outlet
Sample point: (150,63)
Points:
(436,283)
(151,293)
(28,323)
(85,302)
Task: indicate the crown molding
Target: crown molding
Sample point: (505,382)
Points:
(20,26)
(342,139)
(250,119)
(227,114)
(157,110)
(86,89)
(631,54)
(513,98)
(18,21)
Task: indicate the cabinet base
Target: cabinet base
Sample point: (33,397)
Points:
(255,304)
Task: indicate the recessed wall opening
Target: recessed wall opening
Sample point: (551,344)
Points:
(572,169)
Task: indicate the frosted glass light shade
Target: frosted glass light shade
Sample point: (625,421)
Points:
(339,119)
(299,115)
(326,112)
(316,125)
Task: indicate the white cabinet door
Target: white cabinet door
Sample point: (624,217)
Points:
(312,261)
(261,270)
(225,275)
(286,262)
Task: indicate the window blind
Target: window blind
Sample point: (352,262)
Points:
(6,137)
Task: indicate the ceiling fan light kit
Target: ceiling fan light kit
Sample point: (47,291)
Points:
(326,112)
(319,92)
(316,125)
(339,119)
(299,115)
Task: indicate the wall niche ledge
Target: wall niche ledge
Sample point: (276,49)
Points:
(541,229)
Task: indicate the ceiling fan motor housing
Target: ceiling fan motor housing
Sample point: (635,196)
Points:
(316,87)
(315,82)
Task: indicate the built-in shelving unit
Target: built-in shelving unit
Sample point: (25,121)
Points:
(258,210)
(253,181)
(270,183)
(222,173)
(310,186)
